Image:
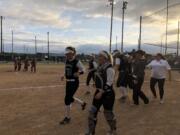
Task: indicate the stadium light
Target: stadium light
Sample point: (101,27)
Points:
(111,27)
(123,8)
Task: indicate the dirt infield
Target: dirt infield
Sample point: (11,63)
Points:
(32,104)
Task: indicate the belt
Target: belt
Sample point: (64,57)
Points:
(70,80)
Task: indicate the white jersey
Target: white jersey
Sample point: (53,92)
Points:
(159,68)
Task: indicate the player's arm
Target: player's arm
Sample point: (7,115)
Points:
(81,69)
(149,66)
(63,76)
(110,79)
(117,64)
(168,67)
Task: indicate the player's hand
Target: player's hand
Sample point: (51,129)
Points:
(98,95)
(62,78)
(76,74)
(135,82)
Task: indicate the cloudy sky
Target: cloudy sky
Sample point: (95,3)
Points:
(84,22)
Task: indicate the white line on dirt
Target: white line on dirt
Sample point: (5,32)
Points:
(50,86)
(36,87)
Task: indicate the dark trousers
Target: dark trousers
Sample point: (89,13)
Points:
(89,77)
(19,67)
(71,88)
(33,68)
(160,82)
(15,67)
(107,101)
(137,93)
(122,80)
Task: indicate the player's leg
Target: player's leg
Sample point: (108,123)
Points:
(68,100)
(153,82)
(108,103)
(140,92)
(161,83)
(75,99)
(92,118)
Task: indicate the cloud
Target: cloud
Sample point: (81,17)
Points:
(58,16)
(29,13)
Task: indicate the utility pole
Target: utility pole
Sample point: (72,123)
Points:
(24,49)
(123,9)
(116,42)
(1,34)
(12,51)
(111,27)
(178,38)
(167,21)
(48,43)
(161,44)
(140,33)
(35,45)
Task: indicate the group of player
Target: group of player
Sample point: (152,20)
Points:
(18,62)
(130,69)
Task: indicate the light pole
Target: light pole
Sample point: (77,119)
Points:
(161,44)
(35,45)
(116,42)
(123,9)
(1,34)
(178,38)
(111,27)
(167,21)
(12,51)
(140,33)
(48,43)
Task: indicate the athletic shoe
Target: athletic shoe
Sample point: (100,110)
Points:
(84,106)
(65,121)
(146,101)
(161,101)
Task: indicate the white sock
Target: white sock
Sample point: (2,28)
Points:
(123,91)
(77,100)
(67,111)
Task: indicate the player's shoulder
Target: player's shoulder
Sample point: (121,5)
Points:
(164,61)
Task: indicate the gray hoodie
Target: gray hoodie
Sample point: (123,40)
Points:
(138,68)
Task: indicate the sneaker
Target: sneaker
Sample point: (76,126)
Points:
(65,121)
(84,106)
(161,101)
(146,101)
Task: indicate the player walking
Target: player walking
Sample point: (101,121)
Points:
(19,64)
(159,67)
(15,64)
(73,69)
(123,68)
(138,71)
(104,95)
(92,68)
(33,65)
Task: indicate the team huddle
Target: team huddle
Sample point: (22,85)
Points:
(27,63)
(130,69)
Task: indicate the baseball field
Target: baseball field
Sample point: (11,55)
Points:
(33,104)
